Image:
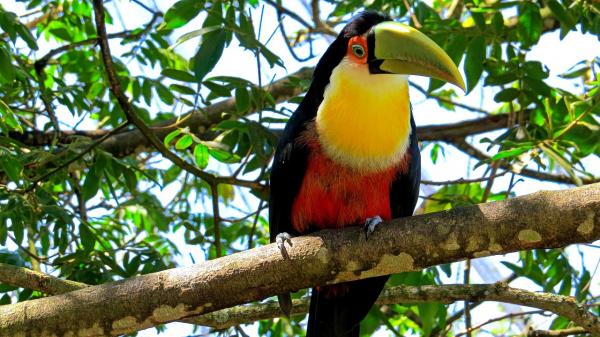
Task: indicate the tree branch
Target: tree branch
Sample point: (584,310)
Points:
(404,294)
(127,142)
(27,278)
(127,107)
(128,34)
(541,220)
(557,333)
(472,151)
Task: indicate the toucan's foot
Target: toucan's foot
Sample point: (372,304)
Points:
(281,239)
(371,224)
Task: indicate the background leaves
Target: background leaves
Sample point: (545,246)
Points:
(95,211)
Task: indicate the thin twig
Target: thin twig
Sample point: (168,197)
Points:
(254,223)
(144,6)
(448,101)
(412,15)
(289,45)
(128,109)
(80,155)
(490,182)
(492,320)
(467,281)
(472,151)
(289,13)
(216,217)
(128,34)
(461,180)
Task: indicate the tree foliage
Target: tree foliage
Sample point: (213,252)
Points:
(85,196)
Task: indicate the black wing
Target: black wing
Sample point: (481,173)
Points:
(287,173)
(405,189)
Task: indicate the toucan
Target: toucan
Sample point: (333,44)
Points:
(349,156)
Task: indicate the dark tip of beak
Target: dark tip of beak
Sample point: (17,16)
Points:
(374,67)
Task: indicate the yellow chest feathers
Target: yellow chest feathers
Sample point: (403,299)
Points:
(364,119)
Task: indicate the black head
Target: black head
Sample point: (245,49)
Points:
(374,41)
(359,25)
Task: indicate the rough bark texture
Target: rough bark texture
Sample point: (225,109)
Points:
(540,220)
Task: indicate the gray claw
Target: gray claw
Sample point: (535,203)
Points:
(371,224)
(281,239)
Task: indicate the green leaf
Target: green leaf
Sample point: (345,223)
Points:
(95,90)
(182,89)
(201,155)
(530,24)
(7,71)
(181,13)
(62,33)
(511,153)
(474,61)
(563,162)
(91,184)
(8,22)
(195,33)
(25,34)
(184,142)
(271,57)
(18,230)
(208,54)
(217,89)
(577,72)
(566,20)
(242,99)
(224,156)
(428,313)
(498,23)
(88,239)
(535,70)
(147,91)
(178,75)
(164,93)
(11,166)
(434,154)
(171,136)
(479,20)
(507,95)
(130,179)
(9,118)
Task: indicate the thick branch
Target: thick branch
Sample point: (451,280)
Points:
(127,142)
(540,220)
(200,121)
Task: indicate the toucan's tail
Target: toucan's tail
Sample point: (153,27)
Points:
(336,310)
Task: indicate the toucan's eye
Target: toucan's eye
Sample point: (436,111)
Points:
(358,50)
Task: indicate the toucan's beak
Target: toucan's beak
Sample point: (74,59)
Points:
(401,49)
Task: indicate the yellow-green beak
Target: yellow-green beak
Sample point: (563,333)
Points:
(401,49)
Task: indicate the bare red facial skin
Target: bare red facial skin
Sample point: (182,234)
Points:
(355,46)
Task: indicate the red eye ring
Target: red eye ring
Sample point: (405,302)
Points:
(357,49)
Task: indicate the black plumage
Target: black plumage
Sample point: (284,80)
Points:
(337,316)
